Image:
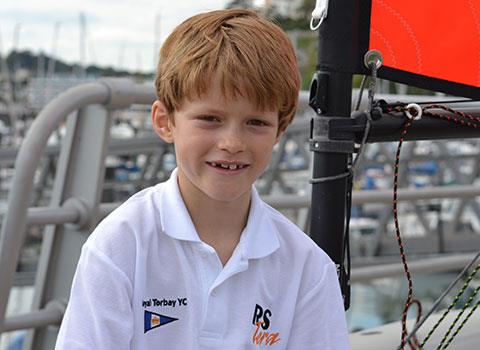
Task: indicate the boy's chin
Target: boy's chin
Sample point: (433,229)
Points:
(228,197)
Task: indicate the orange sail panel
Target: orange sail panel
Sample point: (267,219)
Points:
(437,39)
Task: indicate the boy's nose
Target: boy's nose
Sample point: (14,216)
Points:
(232,142)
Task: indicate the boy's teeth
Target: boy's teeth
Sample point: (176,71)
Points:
(228,166)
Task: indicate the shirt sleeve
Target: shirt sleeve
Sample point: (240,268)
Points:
(319,321)
(99,313)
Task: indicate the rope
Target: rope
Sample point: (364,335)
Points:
(463,119)
(454,302)
(462,324)
(453,111)
(414,343)
(403,256)
(371,95)
(317,180)
(371,88)
(467,304)
(360,93)
(444,294)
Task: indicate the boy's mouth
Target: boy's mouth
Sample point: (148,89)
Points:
(227,166)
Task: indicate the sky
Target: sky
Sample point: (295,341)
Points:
(124,34)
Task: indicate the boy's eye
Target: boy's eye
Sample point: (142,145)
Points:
(208,118)
(258,122)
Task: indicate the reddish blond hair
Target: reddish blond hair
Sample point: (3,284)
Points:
(251,56)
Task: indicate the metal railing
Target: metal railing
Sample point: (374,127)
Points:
(70,206)
(107,94)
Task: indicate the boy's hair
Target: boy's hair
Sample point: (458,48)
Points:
(251,57)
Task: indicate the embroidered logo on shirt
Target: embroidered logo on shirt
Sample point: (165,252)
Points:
(164,302)
(153,320)
(261,319)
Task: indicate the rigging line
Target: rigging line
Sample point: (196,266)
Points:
(360,93)
(368,126)
(346,241)
(445,102)
(467,304)
(371,94)
(349,172)
(371,89)
(455,300)
(440,299)
(403,257)
(460,117)
(447,118)
(460,120)
(453,111)
(462,324)
(331,178)
(414,340)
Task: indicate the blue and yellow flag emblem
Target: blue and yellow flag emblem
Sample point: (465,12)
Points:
(153,320)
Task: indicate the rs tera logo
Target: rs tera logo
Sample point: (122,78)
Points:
(261,318)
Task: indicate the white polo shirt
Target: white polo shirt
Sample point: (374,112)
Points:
(145,280)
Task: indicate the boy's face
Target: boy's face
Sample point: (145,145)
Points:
(221,145)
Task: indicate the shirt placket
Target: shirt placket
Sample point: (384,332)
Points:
(211,330)
(216,309)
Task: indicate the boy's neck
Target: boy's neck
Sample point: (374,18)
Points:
(219,224)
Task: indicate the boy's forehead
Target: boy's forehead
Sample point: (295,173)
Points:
(219,96)
(214,101)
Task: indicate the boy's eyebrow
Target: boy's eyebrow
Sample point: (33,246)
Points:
(254,114)
(212,110)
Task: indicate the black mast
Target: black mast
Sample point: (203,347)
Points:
(330,97)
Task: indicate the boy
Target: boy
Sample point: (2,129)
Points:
(200,261)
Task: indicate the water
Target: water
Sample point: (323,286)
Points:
(381,301)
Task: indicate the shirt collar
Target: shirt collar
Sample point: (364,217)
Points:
(174,216)
(259,237)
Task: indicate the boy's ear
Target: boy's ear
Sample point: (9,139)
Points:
(161,122)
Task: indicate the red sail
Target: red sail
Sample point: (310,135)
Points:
(432,38)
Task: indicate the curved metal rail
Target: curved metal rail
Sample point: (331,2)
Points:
(110,93)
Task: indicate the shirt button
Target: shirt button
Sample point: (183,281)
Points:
(214,293)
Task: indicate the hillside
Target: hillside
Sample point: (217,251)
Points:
(26,60)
